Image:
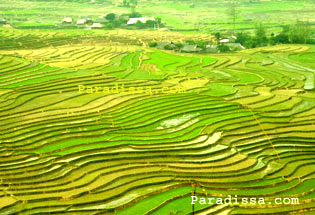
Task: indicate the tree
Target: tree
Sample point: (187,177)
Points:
(153,44)
(109,26)
(150,23)
(251,43)
(126,3)
(168,47)
(260,35)
(116,23)
(139,24)
(217,36)
(281,38)
(134,4)
(300,32)
(201,44)
(159,20)
(179,45)
(110,16)
(285,28)
(223,48)
(190,42)
(242,38)
(135,15)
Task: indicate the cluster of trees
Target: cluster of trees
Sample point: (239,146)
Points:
(149,24)
(121,21)
(114,22)
(300,33)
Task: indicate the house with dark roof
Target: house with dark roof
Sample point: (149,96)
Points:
(96,25)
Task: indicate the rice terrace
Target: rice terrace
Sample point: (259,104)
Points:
(157,107)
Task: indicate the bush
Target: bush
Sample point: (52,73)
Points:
(150,23)
(202,44)
(223,48)
(109,26)
(179,45)
(140,25)
(110,16)
(168,47)
(310,41)
(153,44)
(281,38)
(135,15)
(260,35)
(299,33)
(116,23)
(217,36)
(242,38)
(190,42)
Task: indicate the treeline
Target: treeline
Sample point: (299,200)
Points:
(299,33)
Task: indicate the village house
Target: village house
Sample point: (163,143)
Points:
(212,48)
(190,48)
(230,39)
(89,20)
(3,21)
(81,22)
(224,41)
(96,25)
(67,20)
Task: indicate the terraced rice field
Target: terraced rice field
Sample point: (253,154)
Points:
(244,126)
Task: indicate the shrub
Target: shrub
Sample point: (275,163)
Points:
(179,45)
(190,42)
(281,38)
(242,38)
(153,44)
(260,35)
(140,25)
(135,15)
(109,26)
(223,48)
(168,47)
(110,16)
